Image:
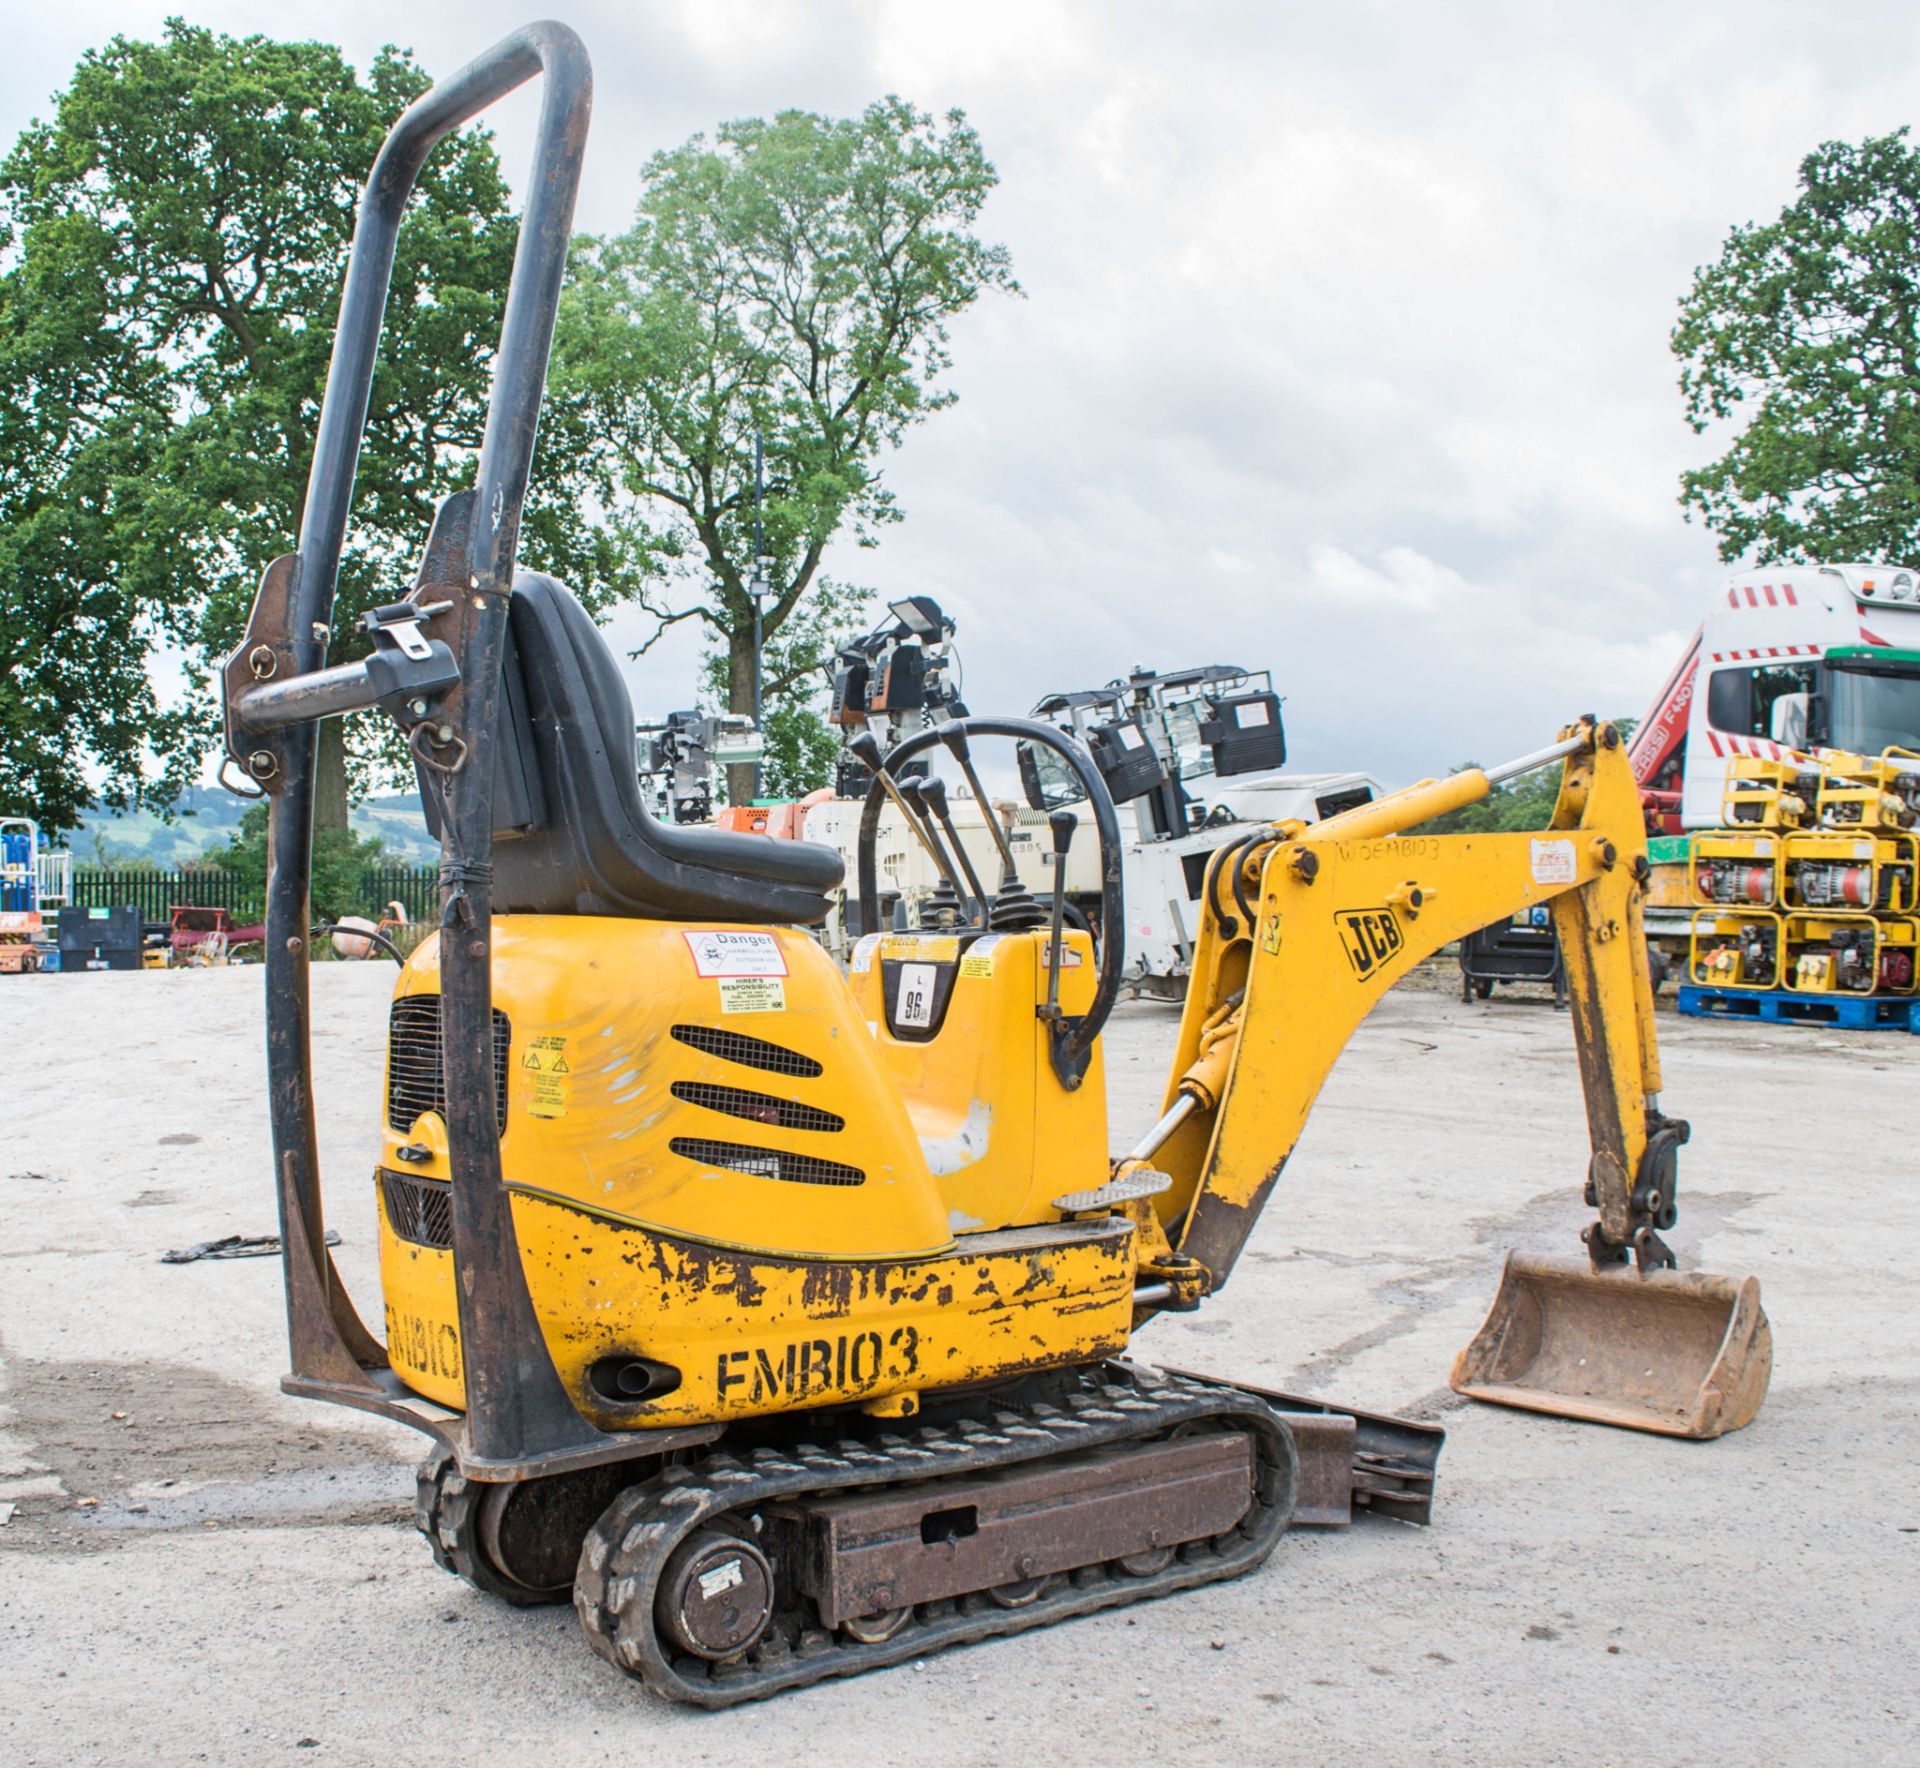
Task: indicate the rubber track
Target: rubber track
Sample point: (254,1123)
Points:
(624,1553)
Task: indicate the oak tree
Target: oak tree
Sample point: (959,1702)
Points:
(1805,334)
(793,278)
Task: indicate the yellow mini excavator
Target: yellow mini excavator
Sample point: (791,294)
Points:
(778,1316)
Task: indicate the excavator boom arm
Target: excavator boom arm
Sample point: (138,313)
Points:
(1307,928)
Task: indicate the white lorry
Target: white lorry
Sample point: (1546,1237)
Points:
(1790,660)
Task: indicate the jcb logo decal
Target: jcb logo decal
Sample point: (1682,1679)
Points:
(1369,937)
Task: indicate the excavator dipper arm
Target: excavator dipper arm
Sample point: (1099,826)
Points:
(1304,928)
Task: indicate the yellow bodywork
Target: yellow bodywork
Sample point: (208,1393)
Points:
(779,1235)
(743,1184)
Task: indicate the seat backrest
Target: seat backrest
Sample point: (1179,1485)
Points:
(571,832)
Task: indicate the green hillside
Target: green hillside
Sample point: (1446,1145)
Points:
(208,817)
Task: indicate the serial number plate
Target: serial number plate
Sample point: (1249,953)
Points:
(914,1004)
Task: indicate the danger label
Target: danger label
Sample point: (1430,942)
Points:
(1552,862)
(753,994)
(719,951)
(549,1076)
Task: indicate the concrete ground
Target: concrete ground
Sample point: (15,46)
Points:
(197,1569)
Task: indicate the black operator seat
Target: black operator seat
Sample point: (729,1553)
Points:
(571,835)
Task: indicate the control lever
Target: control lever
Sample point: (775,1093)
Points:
(955,738)
(1062,823)
(914,791)
(865,749)
(935,794)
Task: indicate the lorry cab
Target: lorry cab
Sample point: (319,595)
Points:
(1789,659)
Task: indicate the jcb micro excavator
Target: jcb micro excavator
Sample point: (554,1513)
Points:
(779,1316)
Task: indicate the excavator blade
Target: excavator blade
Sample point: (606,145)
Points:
(1679,1353)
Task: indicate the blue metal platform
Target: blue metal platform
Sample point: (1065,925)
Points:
(1784,1007)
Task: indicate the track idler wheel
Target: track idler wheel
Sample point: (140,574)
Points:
(519,1540)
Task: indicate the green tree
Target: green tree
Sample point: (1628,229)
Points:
(172,245)
(340,858)
(1808,327)
(1523,803)
(793,278)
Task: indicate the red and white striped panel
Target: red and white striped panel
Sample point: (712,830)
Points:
(1758,748)
(1766,595)
(1768,651)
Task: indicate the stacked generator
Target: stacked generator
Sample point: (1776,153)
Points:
(1808,890)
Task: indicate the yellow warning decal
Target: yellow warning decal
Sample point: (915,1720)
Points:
(549,1074)
(979,959)
(926,948)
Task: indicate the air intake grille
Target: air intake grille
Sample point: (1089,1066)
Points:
(786,1114)
(420,1210)
(749,1052)
(766,1163)
(414,1083)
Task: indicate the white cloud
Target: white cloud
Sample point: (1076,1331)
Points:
(1345,346)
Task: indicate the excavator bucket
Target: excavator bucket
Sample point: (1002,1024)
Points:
(1679,1353)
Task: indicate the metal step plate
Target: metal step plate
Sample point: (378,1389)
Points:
(1129,1187)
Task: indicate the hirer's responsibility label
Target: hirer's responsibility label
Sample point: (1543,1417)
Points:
(720,951)
(752,994)
(1552,862)
(862,960)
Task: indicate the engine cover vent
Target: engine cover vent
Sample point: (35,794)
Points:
(766,1163)
(414,1082)
(749,1052)
(420,1210)
(786,1114)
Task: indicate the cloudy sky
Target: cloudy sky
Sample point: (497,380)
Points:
(1344,345)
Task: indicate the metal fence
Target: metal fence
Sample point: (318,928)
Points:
(158,894)
(416,888)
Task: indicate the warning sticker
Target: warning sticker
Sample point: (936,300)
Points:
(929,948)
(720,951)
(549,1076)
(1552,862)
(862,960)
(752,994)
(1069,958)
(979,959)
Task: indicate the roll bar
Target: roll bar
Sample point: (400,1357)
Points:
(519,1419)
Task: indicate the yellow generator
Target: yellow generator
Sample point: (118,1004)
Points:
(781,1318)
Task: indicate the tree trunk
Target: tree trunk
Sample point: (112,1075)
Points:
(740,699)
(330,778)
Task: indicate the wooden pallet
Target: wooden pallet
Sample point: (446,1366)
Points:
(1784,1007)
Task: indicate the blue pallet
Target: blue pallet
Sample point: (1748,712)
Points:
(1783,1007)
